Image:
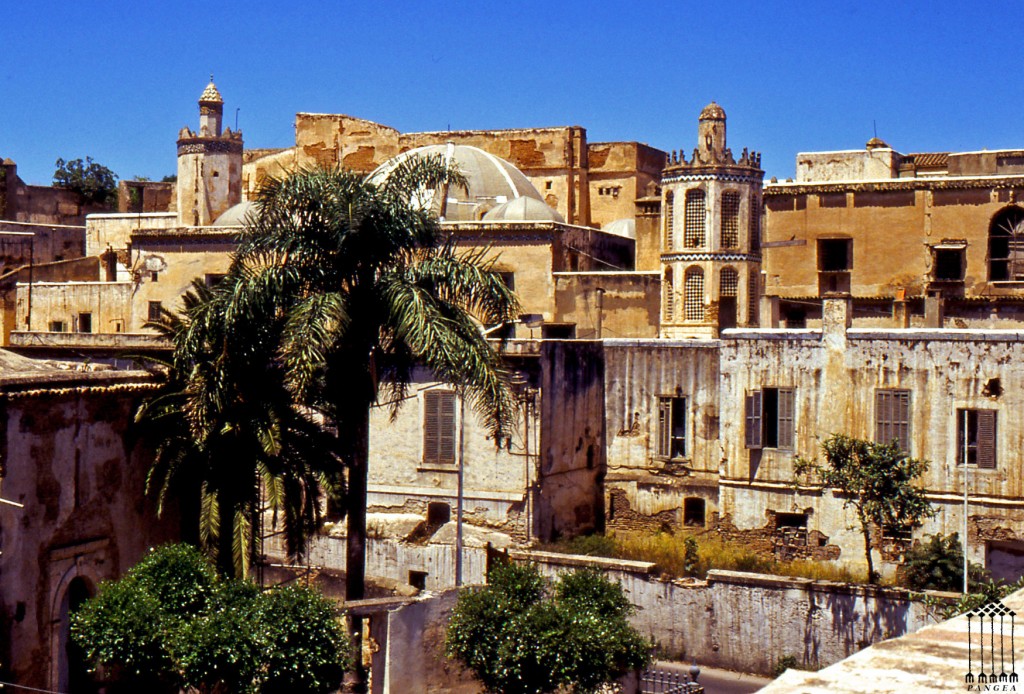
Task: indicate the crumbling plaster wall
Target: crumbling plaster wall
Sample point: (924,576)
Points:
(109,303)
(70,459)
(651,489)
(48,243)
(834,378)
(630,305)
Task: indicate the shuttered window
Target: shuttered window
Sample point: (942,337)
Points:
(976,438)
(770,418)
(439,427)
(671,427)
(892,417)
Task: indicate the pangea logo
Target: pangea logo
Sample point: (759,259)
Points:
(990,639)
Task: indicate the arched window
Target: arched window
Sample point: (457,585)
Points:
(693,288)
(1006,246)
(669,292)
(670,222)
(730,219)
(696,214)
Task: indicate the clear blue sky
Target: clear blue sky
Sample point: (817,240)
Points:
(117,80)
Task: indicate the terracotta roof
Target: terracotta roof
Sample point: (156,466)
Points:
(18,372)
(928,160)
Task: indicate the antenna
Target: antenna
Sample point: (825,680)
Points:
(874,126)
(236,118)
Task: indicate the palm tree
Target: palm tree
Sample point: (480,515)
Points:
(367,285)
(229,432)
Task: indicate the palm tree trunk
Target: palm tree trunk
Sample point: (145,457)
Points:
(356,438)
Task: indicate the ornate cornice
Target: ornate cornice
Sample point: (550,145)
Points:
(896,184)
(209,145)
(732,176)
(684,256)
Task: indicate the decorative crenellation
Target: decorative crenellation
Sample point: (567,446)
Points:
(683,256)
(747,176)
(676,159)
(229,142)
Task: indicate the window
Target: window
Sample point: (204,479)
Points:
(670,223)
(694,511)
(948,265)
(671,427)
(154,276)
(976,438)
(728,290)
(670,297)
(730,219)
(439,427)
(558,331)
(755,225)
(85,322)
(835,255)
(752,299)
(769,415)
(56,326)
(156,310)
(693,294)
(695,213)
(1006,246)
(892,417)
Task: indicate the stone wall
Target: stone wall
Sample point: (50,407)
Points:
(48,243)
(629,306)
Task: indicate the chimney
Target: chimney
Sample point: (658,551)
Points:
(836,318)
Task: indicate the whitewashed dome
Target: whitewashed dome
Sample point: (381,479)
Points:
(492,181)
(621,227)
(524,209)
(235,215)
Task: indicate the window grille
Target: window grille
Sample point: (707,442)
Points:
(730,282)
(670,223)
(753,298)
(1006,246)
(696,214)
(730,219)
(755,224)
(670,297)
(694,294)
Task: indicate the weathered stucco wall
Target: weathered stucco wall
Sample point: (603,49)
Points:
(114,231)
(69,457)
(48,243)
(835,378)
(647,491)
(108,303)
(628,308)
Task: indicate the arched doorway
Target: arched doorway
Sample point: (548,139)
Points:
(73,677)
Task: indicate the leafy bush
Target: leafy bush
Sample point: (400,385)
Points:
(938,564)
(519,636)
(171,622)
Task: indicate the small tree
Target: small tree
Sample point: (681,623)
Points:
(938,564)
(94,182)
(876,479)
(171,622)
(518,635)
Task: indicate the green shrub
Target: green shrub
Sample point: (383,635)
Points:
(938,564)
(518,636)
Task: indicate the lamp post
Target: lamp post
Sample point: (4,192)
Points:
(966,477)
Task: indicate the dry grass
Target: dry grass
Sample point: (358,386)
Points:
(681,555)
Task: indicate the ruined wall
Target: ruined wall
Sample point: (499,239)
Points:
(20,202)
(834,380)
(853,165)
(69,457)
(645,490)
(630,304)
(49,242)
(146,196)
(572,464)
(618,174)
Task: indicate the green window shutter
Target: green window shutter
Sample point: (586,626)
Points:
(753,415)
(987,439)
(787,406)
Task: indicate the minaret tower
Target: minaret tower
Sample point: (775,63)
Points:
(711,228)
(209,164)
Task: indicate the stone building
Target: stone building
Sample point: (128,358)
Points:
(72,477)
(919,240)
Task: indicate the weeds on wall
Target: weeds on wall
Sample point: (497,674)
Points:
(693,555)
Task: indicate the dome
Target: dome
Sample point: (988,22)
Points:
(524,209)
(621,227)
(210,94)
(492,180)
(712,112)
(235,215)
(876,143)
